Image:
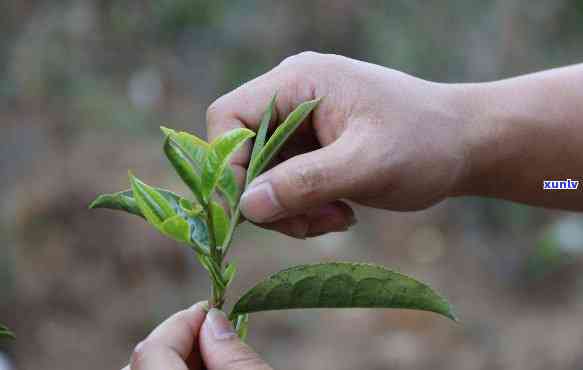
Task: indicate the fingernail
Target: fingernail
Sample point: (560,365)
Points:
(139,346)
(220,326)
(200,305)
(259,203)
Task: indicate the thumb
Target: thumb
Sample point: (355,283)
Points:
(300,183)
(221,348)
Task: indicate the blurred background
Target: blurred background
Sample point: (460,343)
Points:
(84,86)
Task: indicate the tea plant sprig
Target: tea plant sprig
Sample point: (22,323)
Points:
(207,223)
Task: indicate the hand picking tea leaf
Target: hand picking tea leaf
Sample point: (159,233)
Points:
(207,224)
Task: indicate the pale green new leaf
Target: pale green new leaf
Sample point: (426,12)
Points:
(229,187)
(340,285)
(177,228)
(195,150)
(185,167)
(229,273)
(194,146)
(124,201)
(213,269)
(281,134)
(260,139)
(204,261)
(153,205)
(192,213)
(190,209)
(218,156)
(220,223)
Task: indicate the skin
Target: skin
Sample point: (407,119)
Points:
(383,139)
(192,337)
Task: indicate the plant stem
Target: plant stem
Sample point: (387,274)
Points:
(211,231)
(234,220)
(231,231)
(218,292)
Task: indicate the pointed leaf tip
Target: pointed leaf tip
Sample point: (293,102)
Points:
(95,202)
(185,165)
(260,139)
(282,134)
(167,131)
(221,150)
(189,211)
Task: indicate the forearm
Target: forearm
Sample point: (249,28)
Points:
(521,132)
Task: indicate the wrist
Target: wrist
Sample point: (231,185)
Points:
(517,133)
(487,147)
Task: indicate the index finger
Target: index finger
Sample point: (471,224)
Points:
(244,106)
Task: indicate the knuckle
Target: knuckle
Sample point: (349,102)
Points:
(308,55)
(214,110)
(307,182)
(182,319)
(303,57)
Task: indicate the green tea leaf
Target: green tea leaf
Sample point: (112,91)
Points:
(204,261)
(155,208)
(199,233)
(218,156)
(192,213)
(260,139)
(195,150)
(195,147)
(124,201)
(340,285)
(6,333)
(190,209)
(242,326)
(281,134)
(229,187)
(220,223)
(177,228)
(214,270)
(229,273)
(185,167)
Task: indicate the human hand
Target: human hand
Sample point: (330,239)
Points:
(194,340)
(379,137)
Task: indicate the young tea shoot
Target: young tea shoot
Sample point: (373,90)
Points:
(207,220)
